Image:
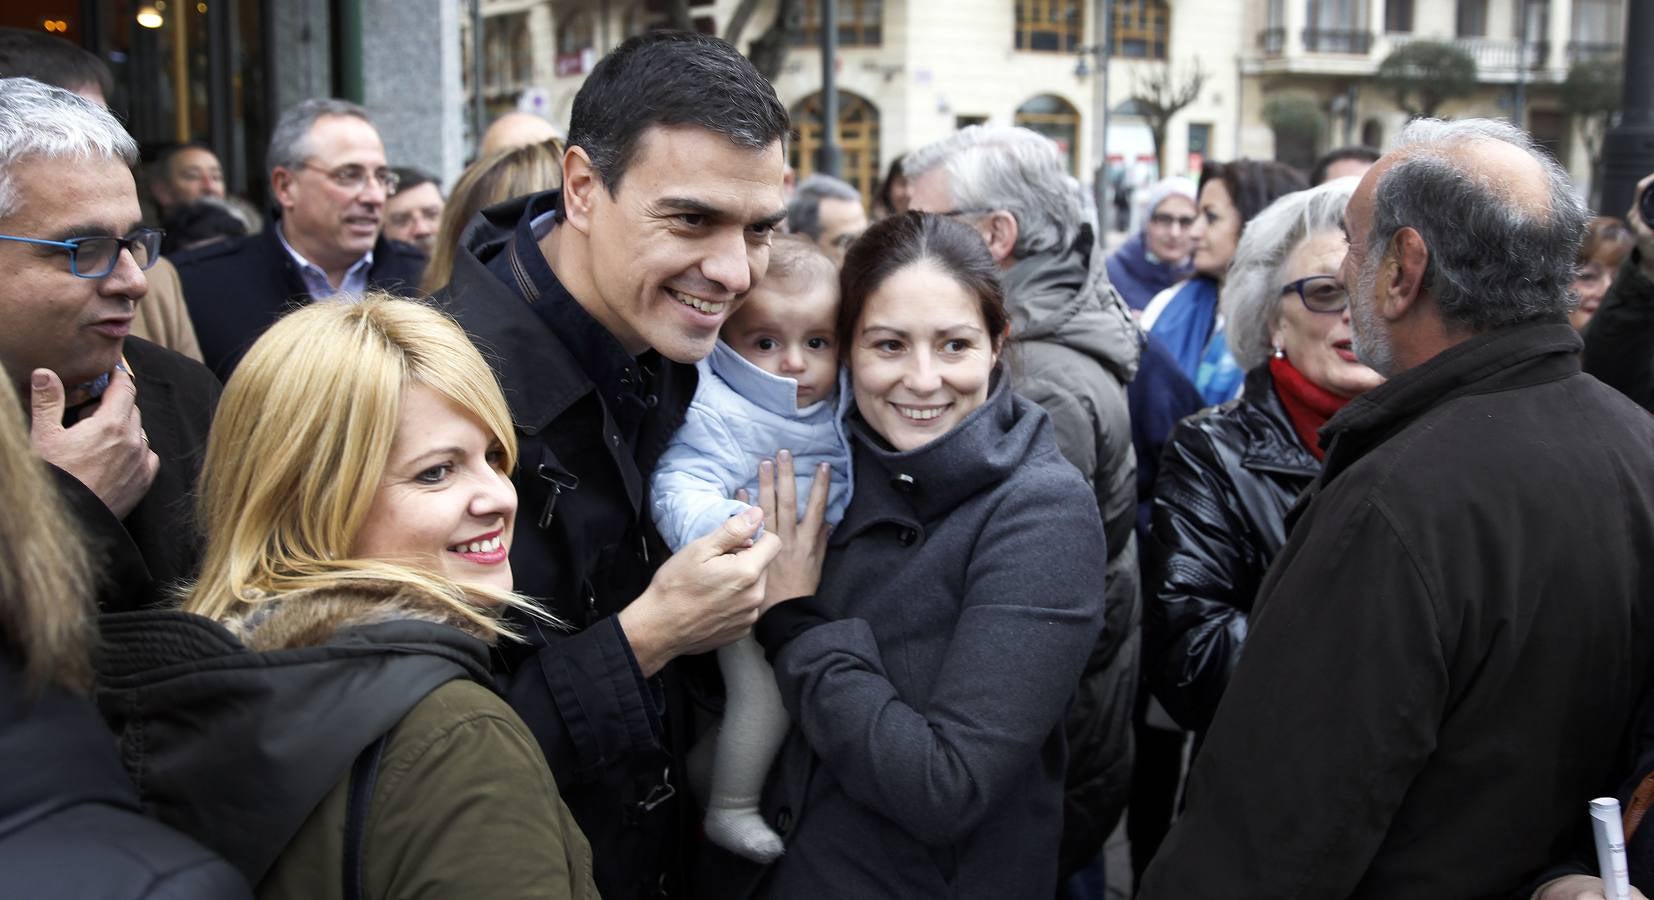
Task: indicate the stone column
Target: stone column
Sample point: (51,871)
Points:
(411,82)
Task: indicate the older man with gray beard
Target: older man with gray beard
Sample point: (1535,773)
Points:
(1447,651)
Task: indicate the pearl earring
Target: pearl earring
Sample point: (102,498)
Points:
(1279,353)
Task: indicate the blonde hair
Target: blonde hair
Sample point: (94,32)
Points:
(299,445)
(45,573)
(495,178)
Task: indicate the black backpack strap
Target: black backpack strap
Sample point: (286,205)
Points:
(363,774)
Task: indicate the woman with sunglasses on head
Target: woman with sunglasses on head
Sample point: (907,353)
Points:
(1230,474)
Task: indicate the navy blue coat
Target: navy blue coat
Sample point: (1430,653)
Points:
(235,289)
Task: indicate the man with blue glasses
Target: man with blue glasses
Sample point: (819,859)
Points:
(329,180)
(121,420)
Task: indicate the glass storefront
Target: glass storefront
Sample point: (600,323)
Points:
(185,70)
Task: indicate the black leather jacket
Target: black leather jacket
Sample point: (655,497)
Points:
(1227,478)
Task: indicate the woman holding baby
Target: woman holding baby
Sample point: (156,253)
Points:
(926,663)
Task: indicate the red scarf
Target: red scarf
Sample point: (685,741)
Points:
(1308,405)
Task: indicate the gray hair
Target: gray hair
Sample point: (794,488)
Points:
(290,141)
(1014,169)
(1252,295)
(1491,263)
(804,212)
(41,121)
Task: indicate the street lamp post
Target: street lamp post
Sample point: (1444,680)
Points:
(827,156)
(1628,148)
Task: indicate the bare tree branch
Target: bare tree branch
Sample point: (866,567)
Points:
(1159,94)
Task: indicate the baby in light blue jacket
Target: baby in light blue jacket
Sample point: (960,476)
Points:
(771,383)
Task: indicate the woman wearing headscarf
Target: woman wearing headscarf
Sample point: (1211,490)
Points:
(1158,256)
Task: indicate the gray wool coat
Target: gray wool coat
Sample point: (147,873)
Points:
(1074,349)
(928,677)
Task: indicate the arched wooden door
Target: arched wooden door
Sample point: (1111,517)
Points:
(858,140)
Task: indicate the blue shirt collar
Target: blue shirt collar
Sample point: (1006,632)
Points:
(315,280)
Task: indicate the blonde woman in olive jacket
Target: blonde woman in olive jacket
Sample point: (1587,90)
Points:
(321,710)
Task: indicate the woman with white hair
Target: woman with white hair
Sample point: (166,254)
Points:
(1229,474)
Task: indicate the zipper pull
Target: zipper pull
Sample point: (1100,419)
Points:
(560,481)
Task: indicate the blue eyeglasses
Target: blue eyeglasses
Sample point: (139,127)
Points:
(95,257)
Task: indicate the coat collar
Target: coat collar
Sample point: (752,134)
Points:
(1506,358)
(773,394)
(924,484)
(538,374)
(1271,444)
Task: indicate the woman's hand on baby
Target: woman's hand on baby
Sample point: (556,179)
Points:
(796,570)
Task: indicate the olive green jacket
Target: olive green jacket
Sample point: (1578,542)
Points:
(243,734)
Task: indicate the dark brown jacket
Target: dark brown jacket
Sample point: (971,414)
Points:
(1445,655)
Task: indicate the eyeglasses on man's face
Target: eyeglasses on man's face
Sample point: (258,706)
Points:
(354,177)
(1167,220)
(96,257)
(1320,293)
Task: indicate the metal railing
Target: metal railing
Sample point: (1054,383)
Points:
(1337,40)
(1492,55)
(1592,51)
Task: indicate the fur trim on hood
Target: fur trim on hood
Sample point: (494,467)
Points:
(311,618)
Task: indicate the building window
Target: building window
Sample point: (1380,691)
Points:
(1272,39)
(1471,20)
(1598,30)
(858,141)
(1200,145)
(507,54)
(1049,26)
(1398,16)
(1337,26)
(1140,28)
(860,24)
(1058,120)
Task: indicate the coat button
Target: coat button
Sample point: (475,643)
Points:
(903,483)
(784,820)
(907,537)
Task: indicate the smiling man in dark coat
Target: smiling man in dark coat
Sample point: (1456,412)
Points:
(1441,666)
(329,178)
(593,304)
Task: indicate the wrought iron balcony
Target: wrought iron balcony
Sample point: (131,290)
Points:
(1592,51)
(1336,40)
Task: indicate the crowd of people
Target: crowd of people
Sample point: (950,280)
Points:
(901,551)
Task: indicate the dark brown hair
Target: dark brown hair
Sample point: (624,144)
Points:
(897,242)
(1253,184)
